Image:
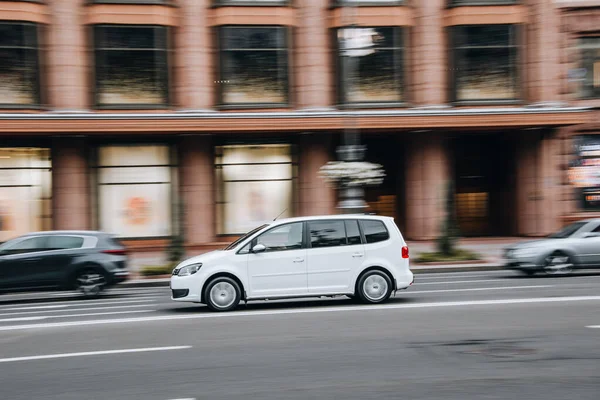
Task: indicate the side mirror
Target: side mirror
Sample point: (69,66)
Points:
(259,248)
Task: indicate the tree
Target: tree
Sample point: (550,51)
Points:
(446,243)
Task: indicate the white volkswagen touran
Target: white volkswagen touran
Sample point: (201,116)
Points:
(360,256)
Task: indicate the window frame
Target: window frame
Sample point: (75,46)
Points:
(343,221)
(478,3)
(400,36)
(364,235)
(251,3)
(287,54)
(580,48)
(166,74)
(515,57)
(37,104)
(253,241)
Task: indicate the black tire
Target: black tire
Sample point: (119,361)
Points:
(558,263)
(220,301)
(374,287)
(90,281)
(528,272)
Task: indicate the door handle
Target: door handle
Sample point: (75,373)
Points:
(357,255)
(299,260)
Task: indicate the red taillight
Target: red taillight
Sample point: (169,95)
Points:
(115,252)
(404,251)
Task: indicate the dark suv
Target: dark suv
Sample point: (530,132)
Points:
(83,260)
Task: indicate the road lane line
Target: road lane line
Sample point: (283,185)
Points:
(593,326)
(35,308)
(92,353)
(313,310)
(451,275)
(22,319)
(76,303)
(77,309)
(448,282)
(474,289)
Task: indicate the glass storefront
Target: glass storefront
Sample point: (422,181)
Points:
(25,191)
(255,184)
(134,190)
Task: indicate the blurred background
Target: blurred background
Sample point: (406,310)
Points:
(193,121)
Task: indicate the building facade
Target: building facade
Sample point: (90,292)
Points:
(123,115)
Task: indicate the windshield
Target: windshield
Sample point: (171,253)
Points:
(247,235)
(567,231)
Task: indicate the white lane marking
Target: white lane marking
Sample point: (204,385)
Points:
(476,289)
(92,353)
(448,282)
(77,303)
(238,314)
(449,275)
(77,309)
(74,315)
(34,308)
(22,319)
(593,326)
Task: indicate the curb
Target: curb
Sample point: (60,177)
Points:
(164,282)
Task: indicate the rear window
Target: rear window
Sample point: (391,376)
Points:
(374,231)
(64,242)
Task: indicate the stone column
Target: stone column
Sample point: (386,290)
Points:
(312,67)
(539,202)
(70,185)
(427,171)
(315,197)
(197,188)
(68,83)
(429,46)
(195,87)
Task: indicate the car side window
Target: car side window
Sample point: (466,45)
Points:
(352,232)
(284,237)
(327,233)
(30,245)
(64,242)
(374,231)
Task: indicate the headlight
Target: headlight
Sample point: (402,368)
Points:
(189,269)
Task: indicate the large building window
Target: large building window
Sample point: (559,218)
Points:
(255,184)
(131,66)
(254,65)
(485,59)
(19,64)
(371,65)
(25,191)
(590,56)
(134,190)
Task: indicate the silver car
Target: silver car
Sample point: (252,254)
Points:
(575,246)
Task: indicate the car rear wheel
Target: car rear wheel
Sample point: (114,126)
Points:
(374,287)
(90,282)
(558,263)
(222,294)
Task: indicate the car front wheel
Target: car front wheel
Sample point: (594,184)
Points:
(222,294)
(558,263)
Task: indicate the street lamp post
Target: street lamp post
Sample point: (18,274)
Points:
(351,197)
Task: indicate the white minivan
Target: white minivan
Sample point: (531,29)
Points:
(362,256)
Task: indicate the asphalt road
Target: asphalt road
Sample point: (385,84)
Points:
(485,335)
